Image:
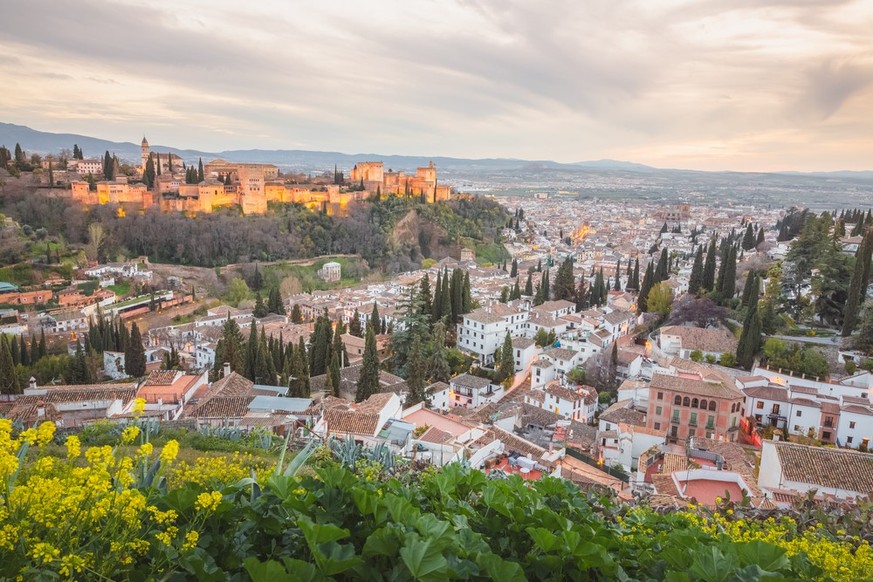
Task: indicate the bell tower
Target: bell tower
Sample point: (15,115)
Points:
(144,152)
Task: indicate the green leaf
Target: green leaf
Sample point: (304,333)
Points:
(334,558)
(768,556)
(301,571)
(710,565)
(268,571)
(382,542)
(318,533)
(500,569)
(422,559)
(543,538)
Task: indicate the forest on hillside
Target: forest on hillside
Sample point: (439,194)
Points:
(289,231)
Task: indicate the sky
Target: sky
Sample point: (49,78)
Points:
(748,85)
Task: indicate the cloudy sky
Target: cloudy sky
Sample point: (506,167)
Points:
(705,84)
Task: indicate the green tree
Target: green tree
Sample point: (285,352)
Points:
(707,282)
(299,379)
(320,345)
(750,338)
(645,289)
(260,309)
(237,292)
(274,302)
(857,289)
(749,238)
(506,364)
(541,338)
(660,299)
(200,176)
(148,175)
(368,380)
(375,321)
(528,286)
(8,378)
(438,368)
(696,278)
(513,273)
(565,284)
(728,360)
(416,370)
(134,356)
(296,315)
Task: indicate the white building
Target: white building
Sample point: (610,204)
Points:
(577,404)
(482,331)
(524,350)
(472,391)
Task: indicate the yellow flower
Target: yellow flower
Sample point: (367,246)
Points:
(139,406)
(146,449)
(74,447)
(208,501)
(191,539)
(28,436)
(171,449)
(45,433)
(129,435)
(71,564)
(43,552)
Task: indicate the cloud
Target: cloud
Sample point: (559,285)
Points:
(677,82)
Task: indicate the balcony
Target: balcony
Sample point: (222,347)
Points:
(674,420)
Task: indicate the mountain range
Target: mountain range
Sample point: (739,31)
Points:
(46,142)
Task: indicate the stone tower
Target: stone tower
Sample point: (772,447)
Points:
(144,152)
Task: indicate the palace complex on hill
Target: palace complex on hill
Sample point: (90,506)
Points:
(252,186)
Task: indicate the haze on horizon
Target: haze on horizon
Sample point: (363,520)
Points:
(751,85)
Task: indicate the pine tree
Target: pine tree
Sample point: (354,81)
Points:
(8,378)
(134,355)
(707,282)
(696,278)
(425,297)
(368,380)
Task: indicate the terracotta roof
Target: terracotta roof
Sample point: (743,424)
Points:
(222,407)
(767,393)
(561,353)
(522,343)
(704,339)
(827,467)
(698,386)
(435,435)
(622,411)
(470,381)
(362,418)
(555,389)
(161,378)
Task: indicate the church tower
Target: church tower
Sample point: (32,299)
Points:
(145,152)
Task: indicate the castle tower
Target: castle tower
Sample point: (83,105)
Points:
(144,147)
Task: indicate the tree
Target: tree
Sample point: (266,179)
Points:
(296,315)
(728,360)
(319,346)
(333,373)
(514,271)
(727,280)
(750,289)
(696,278)
(506,364)
(8,378)
(749,238)
(375,321)
(274,302)
(415,373)
(200,176)
(257,279)
(108,166)
(541,338)
(355,324)
(857,290)
(260,309)
(565,287)
(648,282)
(149,174)
(171,359)
(237,291)
(661,271)
(660,299)
(863,340)
(299,378)
(696,356)
(707,282)
(134,356)
(466,294)
(251,354)
(425,297)
(368,380)
(750,338)
(438,363)
(528,286)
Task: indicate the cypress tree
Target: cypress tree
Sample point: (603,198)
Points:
(466,294)
(134,355)
(8,378)
(728,280)
(333,373)
(375,321)
(200,176)
(596,290)
(437,311)
(506,365)
(260,309)
(296,314)
(514,272)
(661,273)
(251,359)
(25,358)
(749,288)
(355,324)
(696,278)
(446,302)
(760,238)
(749,238)
(707,282)
(750,338)
(856,287)
(415,373)
(15,350)
(368,380)
(648,282)
(425,297)
(42,347)
(528,286)
(319,346)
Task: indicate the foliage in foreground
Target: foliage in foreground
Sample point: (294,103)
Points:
(115,515)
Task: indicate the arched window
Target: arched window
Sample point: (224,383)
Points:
(703,404)
(712,406)
(685,401)
(678,400)
(694,403)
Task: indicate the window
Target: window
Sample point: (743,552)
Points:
(826,436)
(759,405)
(658,410)
(675,416)
(693,421)
(703,404)
(712,405)
(796,428)
(686,401)
(691,432)
(660,395)
(657,426)
(852,424)
(674,432)
(678,400)
(695,403)
(848,440)
(758,417)
(710,422)
(775,409)
(799,413)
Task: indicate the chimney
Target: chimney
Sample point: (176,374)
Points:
(226,370)
(32,383)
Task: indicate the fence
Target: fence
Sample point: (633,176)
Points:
(578,455)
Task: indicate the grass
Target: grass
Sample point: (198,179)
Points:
(308,278)
(120,289)
(490,253)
